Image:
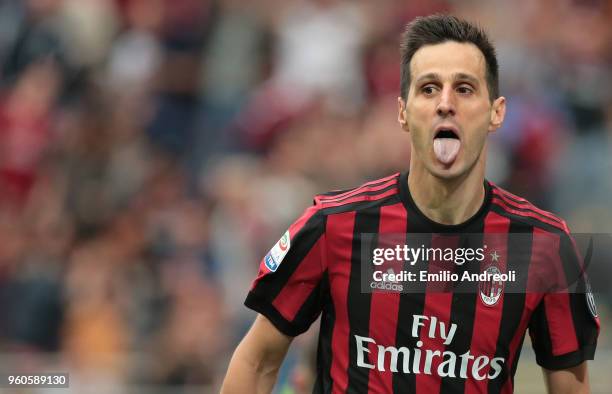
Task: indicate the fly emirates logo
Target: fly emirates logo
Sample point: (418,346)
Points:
(422,361)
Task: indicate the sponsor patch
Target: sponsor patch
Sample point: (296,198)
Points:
(278,252)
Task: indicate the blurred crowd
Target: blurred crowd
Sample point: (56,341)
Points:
(151,151)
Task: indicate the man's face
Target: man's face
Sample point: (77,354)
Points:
(448,112)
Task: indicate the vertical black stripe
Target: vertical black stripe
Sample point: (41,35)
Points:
(516,358)
(312,306)
(463,309)
(584,326)
(366,222)
(541,342)
(410,304)
(323,383)
(520,242)
(572,269)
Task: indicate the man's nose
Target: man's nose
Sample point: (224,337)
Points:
(446,105)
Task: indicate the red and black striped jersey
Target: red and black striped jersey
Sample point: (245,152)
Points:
(422,342)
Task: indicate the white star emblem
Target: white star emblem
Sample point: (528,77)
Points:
(494,256)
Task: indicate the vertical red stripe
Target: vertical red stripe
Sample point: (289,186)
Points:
(516,340)
(340,227)
(560,323)
(385,305)
(437,306)
(488,318)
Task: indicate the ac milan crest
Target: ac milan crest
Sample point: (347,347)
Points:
(491,289)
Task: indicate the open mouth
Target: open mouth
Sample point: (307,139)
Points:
(446,145)
(446,133)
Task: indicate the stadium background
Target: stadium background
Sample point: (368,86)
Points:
(151,151)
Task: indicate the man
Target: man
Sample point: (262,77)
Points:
(428,341)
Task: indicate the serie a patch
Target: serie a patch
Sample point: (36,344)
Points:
(278,252)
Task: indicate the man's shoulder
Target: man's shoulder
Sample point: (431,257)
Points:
(369,194)
(523,210)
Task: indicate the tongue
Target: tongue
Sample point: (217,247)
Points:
(446,149)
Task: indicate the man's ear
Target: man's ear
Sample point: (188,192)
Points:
(498,113)
(401,114)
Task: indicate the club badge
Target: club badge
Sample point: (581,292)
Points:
(491,289)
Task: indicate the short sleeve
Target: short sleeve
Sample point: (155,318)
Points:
(291,285)
(564,326)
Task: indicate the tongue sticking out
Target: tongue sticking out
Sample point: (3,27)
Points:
(446,149)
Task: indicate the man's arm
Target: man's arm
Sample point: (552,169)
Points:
(257,359)
(573,380)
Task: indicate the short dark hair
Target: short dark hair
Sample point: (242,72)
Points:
(438,28)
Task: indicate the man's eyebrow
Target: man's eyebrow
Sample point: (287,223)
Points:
(457,76)
(466,77)
(426,77)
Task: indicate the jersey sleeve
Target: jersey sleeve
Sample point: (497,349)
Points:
(564,326)
(291,285)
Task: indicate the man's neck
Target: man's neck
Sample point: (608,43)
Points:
(444,201)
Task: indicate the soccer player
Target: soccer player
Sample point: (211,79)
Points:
(428,341)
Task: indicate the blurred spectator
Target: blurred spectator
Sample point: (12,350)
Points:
(26,129)
(319,52)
